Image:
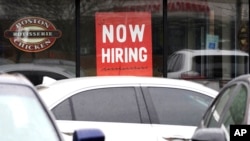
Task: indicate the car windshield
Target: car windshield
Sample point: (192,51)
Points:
(22,116)
(220,66)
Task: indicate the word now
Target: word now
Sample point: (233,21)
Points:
(124,55)
(119,33)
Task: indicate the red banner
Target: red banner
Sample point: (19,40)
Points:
(123,43)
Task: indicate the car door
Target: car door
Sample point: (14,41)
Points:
(119,112)
(229,108)
(175,112)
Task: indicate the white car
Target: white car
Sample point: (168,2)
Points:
(25,117)
(128,107)
(207,65)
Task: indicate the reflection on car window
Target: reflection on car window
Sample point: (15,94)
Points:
(217,109)
(23,117)
(175,62)
(214,66)
(236,112)
(107,104)
(189,103)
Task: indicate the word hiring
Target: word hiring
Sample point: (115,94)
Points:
(126,54)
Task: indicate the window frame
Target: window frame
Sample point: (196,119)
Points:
(142,108)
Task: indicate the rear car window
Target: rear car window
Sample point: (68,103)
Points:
(220,66)
(178,106)
(175,62)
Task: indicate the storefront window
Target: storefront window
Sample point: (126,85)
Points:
(128,37)
(38,38)
(212,38)
(110,39)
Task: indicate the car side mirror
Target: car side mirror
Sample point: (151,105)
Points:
(209,134)
(88,135)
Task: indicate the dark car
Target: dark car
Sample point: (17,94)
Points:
(24,116)
(36,73)
(69,66)
(231,107)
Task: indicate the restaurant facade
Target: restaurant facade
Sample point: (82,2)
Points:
(119,37)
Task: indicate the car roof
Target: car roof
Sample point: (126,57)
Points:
(14,79)
(68,86)
(213,52)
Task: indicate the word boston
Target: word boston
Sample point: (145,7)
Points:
(123,43)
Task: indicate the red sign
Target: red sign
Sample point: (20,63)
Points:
(189,6)
(124,43)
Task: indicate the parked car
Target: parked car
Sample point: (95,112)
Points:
(123,105)
(25,117)
(209,67)
(231,107)
(36,72)
(68,65)
(4,61)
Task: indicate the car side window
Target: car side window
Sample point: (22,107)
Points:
(212,119)
(175,62)
(170,111)
(63,110)
(236,112)
(105,104)
(171,61)
(179,63)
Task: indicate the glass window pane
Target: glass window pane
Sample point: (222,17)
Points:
(63,111)
(177,106)
(107,104)
(213,119)
(237,109)
(209,26)
(48,35)
(89,46)
(215,66)
(188,25)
